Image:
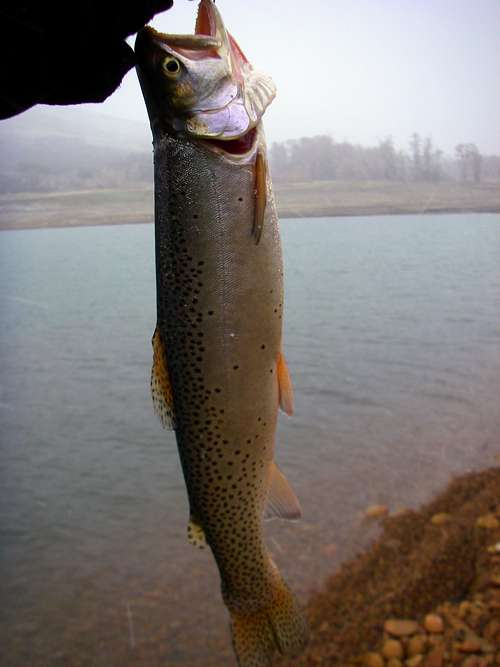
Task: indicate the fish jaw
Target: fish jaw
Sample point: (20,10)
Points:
(214,92)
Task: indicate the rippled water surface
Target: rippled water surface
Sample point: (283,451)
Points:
(392,335)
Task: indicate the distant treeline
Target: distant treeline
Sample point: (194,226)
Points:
(44,163)
(321,158)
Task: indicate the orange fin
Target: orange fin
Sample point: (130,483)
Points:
(281,500)
(278,628)
(285,386)
(260,195)
(161,389)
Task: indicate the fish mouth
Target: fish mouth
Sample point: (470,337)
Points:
(207,40)
(209,24)
(211,40)
(206,23)
(220,100)
(240,146)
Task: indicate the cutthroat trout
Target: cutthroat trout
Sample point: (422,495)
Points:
(219,375)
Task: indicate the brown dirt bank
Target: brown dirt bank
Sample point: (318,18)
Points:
(313,199)
(420,561)
(340,198)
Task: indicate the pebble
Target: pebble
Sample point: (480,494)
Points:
(394,662)
(487,521)
(433,623)
(373,660)
(486,647)
(463,609)
(415,646)
(492,629)
(475,619)
(400,511)
(400,627)
(435,657)
(472,661)
(470,645)
(376,511)
(440,519)
(392,649)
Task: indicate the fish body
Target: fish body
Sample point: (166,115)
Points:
(219,374)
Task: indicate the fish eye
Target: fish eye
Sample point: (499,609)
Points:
(171,67)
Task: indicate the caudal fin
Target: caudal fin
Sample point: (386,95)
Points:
(280,627)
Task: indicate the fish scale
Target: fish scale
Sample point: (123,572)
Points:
(219,373)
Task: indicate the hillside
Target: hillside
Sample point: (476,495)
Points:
(46,150)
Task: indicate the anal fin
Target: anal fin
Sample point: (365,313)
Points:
(196,534)
(281,501)
(161,389)
(285,386)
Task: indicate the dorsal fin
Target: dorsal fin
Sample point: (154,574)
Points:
(161,389)
(281,500)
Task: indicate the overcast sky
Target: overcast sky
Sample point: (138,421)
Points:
(360,70)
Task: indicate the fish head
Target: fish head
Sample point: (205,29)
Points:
(202,85)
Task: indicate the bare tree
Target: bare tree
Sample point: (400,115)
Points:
(278,158)
(416,156)
(389,159)
(431,167)
(470,162)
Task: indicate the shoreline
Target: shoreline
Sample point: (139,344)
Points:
(442,559)
(84,208)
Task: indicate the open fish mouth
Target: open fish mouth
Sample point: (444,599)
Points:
(205,41)
(241,146)
(215,96)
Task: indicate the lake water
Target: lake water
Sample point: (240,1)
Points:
(392,335)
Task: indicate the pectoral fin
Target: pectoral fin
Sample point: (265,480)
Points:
(281,501)
(260,195)
(161,389)
(285,386)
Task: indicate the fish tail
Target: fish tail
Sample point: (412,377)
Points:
(279,627)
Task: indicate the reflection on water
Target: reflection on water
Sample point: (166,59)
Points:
(392,336)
